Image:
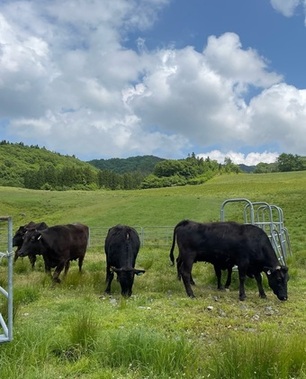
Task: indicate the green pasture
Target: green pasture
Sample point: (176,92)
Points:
(73,330)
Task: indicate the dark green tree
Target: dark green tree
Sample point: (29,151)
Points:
(289,162)
(168,168)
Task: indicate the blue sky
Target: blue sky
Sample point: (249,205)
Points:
(120,78)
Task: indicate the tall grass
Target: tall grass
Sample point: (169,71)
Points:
(80,336)
(25,357)
(150,353)
(260,356)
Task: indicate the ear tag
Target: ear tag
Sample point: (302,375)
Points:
(269,272)
(39,237)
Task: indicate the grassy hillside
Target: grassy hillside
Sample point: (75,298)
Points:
(72,330)
(18,162)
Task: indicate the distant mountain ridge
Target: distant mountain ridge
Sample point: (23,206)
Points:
(144,164)
(246,168)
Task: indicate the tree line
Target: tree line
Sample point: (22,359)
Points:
(284,163)
(37,168)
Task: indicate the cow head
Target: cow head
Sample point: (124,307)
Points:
(278,278)
(18,237)
(31,243)
(126,279)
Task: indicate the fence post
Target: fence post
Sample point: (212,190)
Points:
(8,328)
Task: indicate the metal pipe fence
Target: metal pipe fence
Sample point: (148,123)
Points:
(150,236)
(6,323)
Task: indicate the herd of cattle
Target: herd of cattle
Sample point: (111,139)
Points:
(223,244)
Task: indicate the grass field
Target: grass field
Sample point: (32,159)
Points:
(73,330)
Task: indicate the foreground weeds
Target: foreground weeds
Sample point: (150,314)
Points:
(73,330)
(265,356)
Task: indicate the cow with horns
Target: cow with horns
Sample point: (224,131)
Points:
(122,245)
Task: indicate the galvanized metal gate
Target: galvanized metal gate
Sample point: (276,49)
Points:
(6,326)
(268,217)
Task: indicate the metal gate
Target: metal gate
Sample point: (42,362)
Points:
(269,218)
(6,326)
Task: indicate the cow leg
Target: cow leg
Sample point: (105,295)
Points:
(191,280)
(185,272)
(57,272)
(32,259)
(218,275)
(81,259)
(229,277)
(109,279)
(47,265)
(179,276)
(242,277)
(67,265)
(261,291)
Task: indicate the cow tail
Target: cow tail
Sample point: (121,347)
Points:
(171,255)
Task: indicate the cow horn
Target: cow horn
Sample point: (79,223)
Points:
(139,272)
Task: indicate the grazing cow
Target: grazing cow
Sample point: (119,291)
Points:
(121,248)
(225,244)
(19,236)
(58,245)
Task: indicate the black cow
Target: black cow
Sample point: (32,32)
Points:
(121,248)
(19,236)
(58,245)
(225,244)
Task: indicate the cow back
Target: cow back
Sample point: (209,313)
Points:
(225,242)
(69,241)
(122,245)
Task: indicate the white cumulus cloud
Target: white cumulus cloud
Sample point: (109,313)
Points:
(69,81)
(286,7)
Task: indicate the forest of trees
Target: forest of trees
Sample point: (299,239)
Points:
(38,168)
(144,164)
(284,163)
